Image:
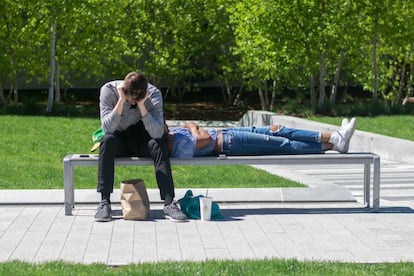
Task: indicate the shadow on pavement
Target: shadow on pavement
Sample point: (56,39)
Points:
(304,211)
(237,214)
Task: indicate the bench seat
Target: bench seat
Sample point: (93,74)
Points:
(367,159)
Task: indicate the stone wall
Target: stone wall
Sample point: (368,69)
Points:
(388,148)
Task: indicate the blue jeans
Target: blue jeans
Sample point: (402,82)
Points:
(262,141)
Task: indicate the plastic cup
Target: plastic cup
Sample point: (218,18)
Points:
(205,208)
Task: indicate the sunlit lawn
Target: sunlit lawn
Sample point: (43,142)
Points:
(32,150)
(398,126)
(250,267)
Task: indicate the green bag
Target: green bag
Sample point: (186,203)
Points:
(96,138)
(190,205)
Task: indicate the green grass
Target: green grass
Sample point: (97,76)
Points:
(32,149)
(399,126)
(263,267)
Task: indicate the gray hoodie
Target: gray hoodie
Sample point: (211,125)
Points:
(111,121)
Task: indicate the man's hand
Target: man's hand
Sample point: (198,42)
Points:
(119,107)
(121,92)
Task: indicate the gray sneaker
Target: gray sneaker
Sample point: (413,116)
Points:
(174,213)
(103,212)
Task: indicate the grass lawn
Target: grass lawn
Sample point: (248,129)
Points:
(261,267)
(32,150)
(399,126)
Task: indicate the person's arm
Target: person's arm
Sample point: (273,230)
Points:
(203,137)
(111,105)
(151,110)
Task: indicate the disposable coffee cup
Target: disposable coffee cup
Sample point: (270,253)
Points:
(205,208)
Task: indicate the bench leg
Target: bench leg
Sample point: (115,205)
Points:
(69,189)
(376,180)
(367,184)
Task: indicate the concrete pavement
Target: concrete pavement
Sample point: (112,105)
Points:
(345,232)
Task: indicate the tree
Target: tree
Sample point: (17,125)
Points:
(384,25)
(12,20)
(262,45)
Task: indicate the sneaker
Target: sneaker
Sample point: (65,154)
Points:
(174,213)
(345,121)
(342,137)
(351,129)
(103,212)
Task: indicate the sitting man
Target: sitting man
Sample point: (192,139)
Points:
(191,140)
(133,121)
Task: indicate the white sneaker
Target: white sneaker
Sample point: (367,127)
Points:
(351,129)
(341,138)
(345,121)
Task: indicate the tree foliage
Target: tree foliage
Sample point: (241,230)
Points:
(264,46)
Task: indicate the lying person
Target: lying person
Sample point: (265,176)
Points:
(192,140)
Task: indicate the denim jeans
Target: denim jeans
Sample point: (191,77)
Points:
(262,141)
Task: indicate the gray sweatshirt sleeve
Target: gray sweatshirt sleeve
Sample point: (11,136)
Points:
(154,120)
(108,98)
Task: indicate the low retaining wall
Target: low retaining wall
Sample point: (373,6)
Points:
(388,148)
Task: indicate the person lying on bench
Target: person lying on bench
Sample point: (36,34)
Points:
(192,140)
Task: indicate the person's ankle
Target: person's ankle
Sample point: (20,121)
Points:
(106,196)
(168,199)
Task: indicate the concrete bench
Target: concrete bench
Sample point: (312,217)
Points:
(367,159)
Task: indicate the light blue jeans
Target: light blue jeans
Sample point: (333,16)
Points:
(262,141)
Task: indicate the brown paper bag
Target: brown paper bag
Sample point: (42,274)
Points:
(134,199)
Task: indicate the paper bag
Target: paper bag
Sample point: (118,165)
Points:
(134,199)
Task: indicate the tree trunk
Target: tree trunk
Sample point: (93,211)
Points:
(345,92)
(322,57)
(374,68)
(262,100)
(410,84)
(335,85)
(266,97)
(2,97)
(13,93)
(15,90)
(236,101)
(52,68)
(408,97)
(321,80)
(312,90)
(57,85)
(229,97)
(402,84)
(272,101)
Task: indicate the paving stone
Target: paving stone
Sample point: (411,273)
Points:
(329,231)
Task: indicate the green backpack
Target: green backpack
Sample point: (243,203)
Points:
(190,205)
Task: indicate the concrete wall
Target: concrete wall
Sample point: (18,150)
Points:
(388,148)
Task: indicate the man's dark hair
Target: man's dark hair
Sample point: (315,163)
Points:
(135,85)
